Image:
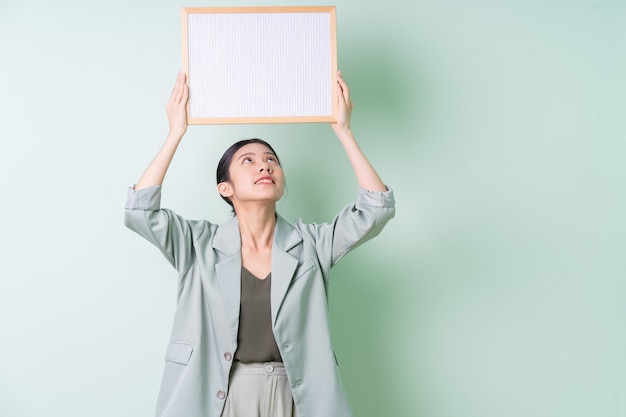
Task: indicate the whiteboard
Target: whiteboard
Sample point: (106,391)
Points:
(260,64)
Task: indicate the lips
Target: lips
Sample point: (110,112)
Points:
(264,180)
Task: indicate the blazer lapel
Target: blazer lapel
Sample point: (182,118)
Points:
(228,271)
(284,265)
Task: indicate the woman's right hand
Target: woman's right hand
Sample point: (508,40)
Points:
(177,117)
(177,106)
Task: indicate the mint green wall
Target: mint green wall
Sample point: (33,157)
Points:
(498,291)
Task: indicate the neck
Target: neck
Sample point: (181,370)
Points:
(256,226)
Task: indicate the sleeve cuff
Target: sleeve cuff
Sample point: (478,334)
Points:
(148,198)
(377,198)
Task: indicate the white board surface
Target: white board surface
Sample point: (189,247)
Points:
(260,65)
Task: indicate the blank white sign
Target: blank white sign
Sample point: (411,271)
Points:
(260,64)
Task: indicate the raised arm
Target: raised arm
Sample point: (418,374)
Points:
(177,117)
(366,175)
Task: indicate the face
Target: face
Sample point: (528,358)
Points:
(255,175)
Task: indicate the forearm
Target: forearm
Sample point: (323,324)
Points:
(155,173)
(177,117)
(366,175)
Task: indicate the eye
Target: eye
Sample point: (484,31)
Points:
(246,160)
(272,159)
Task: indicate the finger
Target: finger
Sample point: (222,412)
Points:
(341,100)
(343,87)
(177,91)
(343,96)
(185,95)
(184,89)
(177,83)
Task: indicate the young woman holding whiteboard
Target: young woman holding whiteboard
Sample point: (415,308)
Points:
(250,336)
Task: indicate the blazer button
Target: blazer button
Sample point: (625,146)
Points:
(221,394)
(228,356)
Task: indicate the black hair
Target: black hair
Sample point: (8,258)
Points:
(223,174)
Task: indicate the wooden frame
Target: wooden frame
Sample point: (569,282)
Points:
(260,64)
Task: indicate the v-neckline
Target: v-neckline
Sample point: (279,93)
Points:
(254,276)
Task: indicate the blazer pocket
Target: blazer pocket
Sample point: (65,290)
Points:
(179,352)
(304,269)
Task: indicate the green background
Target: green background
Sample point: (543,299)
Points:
(497,291)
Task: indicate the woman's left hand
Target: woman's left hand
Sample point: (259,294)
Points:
(344,111)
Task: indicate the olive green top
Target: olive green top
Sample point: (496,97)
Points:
(256,342)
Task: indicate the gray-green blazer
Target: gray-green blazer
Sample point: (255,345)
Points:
(204,334)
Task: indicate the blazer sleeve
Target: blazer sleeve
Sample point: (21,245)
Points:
(355,224)
(171,233)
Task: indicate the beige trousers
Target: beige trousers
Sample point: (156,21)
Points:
(259,390)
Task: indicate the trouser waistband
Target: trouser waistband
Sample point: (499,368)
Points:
(259,368)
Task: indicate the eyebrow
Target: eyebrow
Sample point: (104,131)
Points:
(252,153)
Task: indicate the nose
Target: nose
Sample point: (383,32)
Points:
(265,167)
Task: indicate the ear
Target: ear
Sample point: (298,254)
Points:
(225,189)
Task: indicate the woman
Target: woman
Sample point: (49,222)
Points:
(250,336)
